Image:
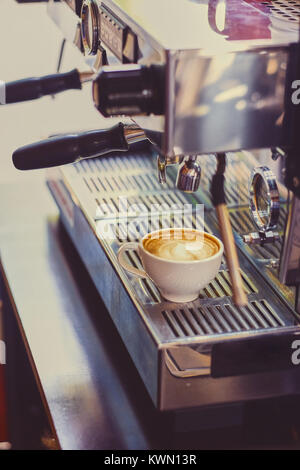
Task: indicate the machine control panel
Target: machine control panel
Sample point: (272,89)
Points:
(117,36)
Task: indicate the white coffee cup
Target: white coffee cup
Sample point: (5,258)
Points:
(178,281)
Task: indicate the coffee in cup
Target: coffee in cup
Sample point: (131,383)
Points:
(180,262)
(181,245)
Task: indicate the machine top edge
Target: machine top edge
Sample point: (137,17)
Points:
(212,25)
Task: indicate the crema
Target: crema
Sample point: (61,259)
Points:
(181,245)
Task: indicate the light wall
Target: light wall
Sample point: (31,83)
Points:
(29,46)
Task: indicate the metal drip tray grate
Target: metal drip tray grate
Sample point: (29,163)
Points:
(265,257)
(102,165)
(109,187)
(134,229)
(118,206)
(218,288)
(217,319)
(101,182)
(213,313)
(238,168)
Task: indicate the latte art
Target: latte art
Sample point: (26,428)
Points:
(180,262)
(178,245)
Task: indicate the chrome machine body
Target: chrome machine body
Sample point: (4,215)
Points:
(229,68)
(237,55)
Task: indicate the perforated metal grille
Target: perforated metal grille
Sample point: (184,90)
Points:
(98,185)
(111,182)
(116,164)
(213,312)
(142,204)
(113,186)
(236,178)
(284,9)
(134,229)
(102,181)
(220,287)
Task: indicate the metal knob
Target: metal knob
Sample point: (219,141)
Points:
(189,175)
(90,27)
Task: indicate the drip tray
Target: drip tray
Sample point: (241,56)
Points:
(172,344)
(213,313)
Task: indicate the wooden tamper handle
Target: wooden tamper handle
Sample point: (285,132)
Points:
(218,196)
(239,295)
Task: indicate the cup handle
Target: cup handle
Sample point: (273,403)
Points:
(131,269)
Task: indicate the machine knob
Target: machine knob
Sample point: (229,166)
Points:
(90,27)
(129,90)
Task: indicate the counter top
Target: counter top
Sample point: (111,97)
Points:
(90,389)
(92,393)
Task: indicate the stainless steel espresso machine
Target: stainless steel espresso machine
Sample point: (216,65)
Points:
(204,89)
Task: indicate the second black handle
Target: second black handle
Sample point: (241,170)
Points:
(34,88)
(68,148)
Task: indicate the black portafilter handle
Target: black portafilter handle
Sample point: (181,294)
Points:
(63,149)
(34,88)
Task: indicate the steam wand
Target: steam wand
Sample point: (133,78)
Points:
(219,201)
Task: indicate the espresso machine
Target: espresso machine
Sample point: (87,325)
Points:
(204,89)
